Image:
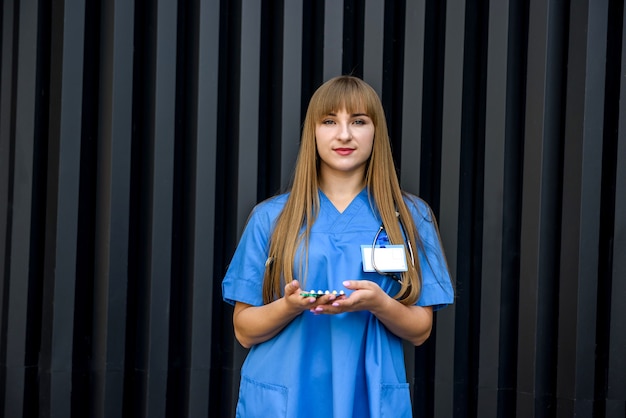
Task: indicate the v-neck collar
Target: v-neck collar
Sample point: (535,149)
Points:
(332,219)
(354,204)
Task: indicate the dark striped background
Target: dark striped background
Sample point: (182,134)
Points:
(136,136)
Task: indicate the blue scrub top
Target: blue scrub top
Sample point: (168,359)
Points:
(346,365)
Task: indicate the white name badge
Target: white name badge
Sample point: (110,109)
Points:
(388,259)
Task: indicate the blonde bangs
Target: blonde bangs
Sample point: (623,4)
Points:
(351,94)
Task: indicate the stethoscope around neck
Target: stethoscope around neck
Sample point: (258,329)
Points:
(394,275)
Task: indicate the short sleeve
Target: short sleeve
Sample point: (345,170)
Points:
(244,276)
(437,290)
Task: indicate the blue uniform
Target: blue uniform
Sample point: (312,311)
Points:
(345,365)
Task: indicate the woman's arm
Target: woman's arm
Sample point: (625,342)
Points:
(256,324)
(412,323)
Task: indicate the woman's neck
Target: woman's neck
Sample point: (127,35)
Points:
(341,190)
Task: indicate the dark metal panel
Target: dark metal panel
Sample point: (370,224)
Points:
(512,205)
(470,212)
(313,38)
(17,270)
(391,66)
(570,258)
(248,111)
(432,102)
(449,202)
(374,34)
(533,163)
(271,93)
(7,82)
(292,95)
(541,209)
(616,387)
(551,203)
(7,63)
(411,131)
(581,208)
(333,39)
(353,37)
(247,157)
(616,378)
(412,97)
(112,208)
(64,147)
(223,353)
(158,292)
(205,139)
(495,136)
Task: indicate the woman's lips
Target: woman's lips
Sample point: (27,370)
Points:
(344,151)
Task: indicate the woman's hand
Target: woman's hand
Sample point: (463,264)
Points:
(256,324)
(412,323)
(366,296)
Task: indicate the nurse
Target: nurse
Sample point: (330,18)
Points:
(346,230)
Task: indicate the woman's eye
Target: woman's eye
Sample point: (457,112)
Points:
(328,122)
(359,122)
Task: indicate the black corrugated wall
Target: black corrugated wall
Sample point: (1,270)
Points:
(135,137)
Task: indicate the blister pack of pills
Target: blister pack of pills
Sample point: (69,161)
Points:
(314,294)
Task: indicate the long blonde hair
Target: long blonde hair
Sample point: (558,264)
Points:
(302,206)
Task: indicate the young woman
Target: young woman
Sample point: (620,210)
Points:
(345,226)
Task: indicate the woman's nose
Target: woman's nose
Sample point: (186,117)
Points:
(344,132)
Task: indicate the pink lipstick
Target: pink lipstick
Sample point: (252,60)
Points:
(344,151)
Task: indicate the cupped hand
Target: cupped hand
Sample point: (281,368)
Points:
(297,301)
(366,296)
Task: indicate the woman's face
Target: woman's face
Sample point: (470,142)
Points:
(344,142)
